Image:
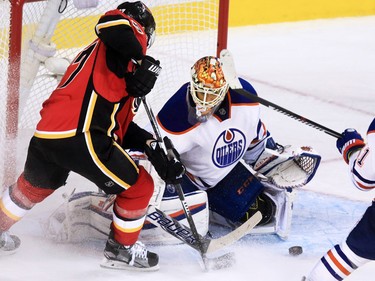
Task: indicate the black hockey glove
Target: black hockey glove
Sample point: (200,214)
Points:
(142,80)
(170,170)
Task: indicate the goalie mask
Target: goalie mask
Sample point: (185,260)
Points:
(208,86)
(142,14)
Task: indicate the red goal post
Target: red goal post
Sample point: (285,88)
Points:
(39,37)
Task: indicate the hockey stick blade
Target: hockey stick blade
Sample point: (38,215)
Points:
(185,234)
(234,83)
(235,235)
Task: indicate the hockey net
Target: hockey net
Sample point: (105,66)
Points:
(51,33)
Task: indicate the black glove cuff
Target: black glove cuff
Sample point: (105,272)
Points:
(141,82)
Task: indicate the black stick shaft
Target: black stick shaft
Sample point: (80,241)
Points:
(288,113)
(178,187)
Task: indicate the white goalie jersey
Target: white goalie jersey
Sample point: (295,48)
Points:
(211,149)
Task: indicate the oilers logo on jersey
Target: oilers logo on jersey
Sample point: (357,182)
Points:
(229,148)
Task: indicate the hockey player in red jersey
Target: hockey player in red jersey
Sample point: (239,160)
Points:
(359,247)
(86,125)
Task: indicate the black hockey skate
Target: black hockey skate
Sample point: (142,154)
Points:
(8,243)
(134,257)
(265,205)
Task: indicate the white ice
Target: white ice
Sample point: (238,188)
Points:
(323,70)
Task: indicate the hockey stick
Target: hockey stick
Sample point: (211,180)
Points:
(185,234)
(235,85)
(195,240)
(178,187)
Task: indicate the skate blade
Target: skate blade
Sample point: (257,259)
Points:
(112,264)
(7,253)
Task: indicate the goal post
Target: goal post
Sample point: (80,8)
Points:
(38,38)
(222,28)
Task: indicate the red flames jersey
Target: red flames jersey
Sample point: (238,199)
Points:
(90,96)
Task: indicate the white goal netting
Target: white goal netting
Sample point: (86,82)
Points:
(186,31)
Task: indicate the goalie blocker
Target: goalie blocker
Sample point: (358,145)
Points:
(87,215)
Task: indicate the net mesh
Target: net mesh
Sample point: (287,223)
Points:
(186,31)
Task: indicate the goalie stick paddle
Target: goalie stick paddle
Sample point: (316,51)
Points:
(231,76)
(185,234)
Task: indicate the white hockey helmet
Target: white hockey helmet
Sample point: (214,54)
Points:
(208,86)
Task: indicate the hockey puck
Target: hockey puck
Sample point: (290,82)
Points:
(295,250)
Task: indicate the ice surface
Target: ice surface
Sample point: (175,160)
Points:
(321,69)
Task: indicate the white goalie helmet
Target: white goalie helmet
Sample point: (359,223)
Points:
(208,86)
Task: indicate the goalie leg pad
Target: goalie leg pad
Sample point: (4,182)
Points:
(171,205)
(83,216)
(233,195)
(281,223)
(88,215)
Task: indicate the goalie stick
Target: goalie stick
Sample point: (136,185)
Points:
(232,78)
(198,242)
(194,239)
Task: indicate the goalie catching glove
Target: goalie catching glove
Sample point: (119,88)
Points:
(170,169)
(288,166)
(142,80)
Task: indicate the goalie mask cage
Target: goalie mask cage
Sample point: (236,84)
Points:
(39,37)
